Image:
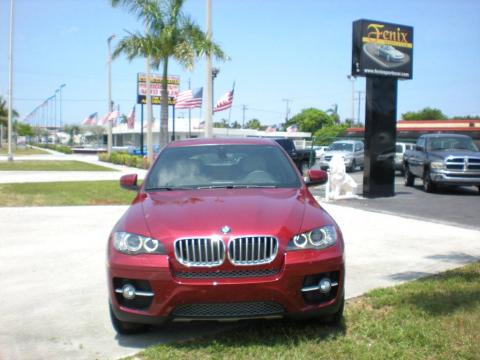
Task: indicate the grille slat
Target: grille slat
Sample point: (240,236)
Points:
(196,252)
(463,163)
(252,254)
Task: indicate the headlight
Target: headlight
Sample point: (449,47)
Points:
(319,238)
(438,165)
(133,244)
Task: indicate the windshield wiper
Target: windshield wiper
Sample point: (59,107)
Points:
(230,186)
(168,188)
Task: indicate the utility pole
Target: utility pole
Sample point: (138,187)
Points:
(287,111)
(208,77)
(352,80)
(244,108)
(10,84)
(110,105)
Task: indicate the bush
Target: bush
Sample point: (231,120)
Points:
(60,148)
(124,159)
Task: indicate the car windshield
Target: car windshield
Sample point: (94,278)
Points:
(222,166)
(340,146)
(448,143)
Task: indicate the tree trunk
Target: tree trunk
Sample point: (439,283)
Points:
(164,139)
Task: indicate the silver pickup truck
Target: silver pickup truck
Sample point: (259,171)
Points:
(446,159)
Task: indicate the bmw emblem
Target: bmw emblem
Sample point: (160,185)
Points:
(226,229)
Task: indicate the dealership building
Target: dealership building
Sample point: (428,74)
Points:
(125,137)
(410,130)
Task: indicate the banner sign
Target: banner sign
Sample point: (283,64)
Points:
(156,88)
(382,49)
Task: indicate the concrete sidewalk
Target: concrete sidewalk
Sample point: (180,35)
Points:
(53,282)
(54,176)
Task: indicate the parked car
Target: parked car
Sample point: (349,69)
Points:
(400,149)
(224,229)
(350,150)
(443,159)
(319,150)
(304,159)
(390,54)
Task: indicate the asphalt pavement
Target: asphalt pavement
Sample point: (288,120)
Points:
(53,279)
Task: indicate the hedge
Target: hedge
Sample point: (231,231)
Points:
(121,158)
(59,148)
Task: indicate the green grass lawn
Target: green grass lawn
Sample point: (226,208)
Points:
(22,151)
(64,193)
(432,318)
(50,165)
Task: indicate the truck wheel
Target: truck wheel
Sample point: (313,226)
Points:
(409,178)
(353,166)
(428,185)
(126,328)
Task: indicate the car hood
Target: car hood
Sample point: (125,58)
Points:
(174,214)
(453,152)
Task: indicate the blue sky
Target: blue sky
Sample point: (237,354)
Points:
(299,50)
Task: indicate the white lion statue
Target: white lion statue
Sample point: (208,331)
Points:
(342,185)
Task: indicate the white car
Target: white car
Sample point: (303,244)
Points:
(319,150)
(390,54)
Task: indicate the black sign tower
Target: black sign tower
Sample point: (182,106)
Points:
(381,52)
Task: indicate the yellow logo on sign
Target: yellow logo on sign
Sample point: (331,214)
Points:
(379,35)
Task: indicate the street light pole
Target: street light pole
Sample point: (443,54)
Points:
(287,111)
(10,84)
(110,107)
(60,110)
(352,80)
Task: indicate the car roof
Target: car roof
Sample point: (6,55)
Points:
(222,141)
(445,135)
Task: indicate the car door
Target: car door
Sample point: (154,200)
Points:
(415,162)
(359,156)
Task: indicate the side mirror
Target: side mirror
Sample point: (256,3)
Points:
(316,177)
(129,182)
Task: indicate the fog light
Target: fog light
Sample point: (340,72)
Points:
(325,285)
(128,291)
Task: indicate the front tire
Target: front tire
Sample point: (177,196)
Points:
(428,185)
(126,328)
(409,178)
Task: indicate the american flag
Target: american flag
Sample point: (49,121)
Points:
(131,119)
(90,120)
(292,128)
(104,119)
(189,99)
(225,102)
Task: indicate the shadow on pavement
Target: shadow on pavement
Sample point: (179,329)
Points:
(454,257)
(408,275)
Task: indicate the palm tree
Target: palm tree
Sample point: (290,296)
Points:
(169,34)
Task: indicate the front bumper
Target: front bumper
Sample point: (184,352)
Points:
(283,288)
(455,178)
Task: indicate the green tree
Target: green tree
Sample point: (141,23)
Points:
(223,124)
(169,34)
(253,124)
(327,134)
(466,117)
(24,129)
(425,114)
(311,120)
(4,112)
(72,130)
(236,125)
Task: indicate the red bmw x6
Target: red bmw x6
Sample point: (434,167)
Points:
(224,230)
